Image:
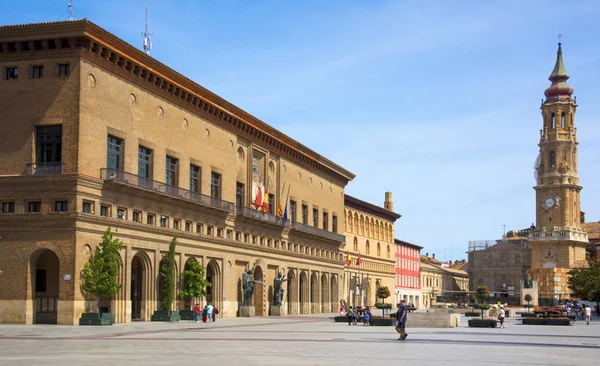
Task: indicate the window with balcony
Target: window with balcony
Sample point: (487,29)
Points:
(195,174)
(36,71)
(35,206)
(315,220)
(48,145)
(63,70)
(239,194)
(325,221)
(334,223)
(215,185)
(305,214)
(144,162)
(171,171)
(60,206)
(292,211)
(8,207)
(114,150)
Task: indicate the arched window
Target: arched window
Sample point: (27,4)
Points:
(562,120)
(362,225)
(552,159)
(378,250)
(368,250)
(389,253)
(355,244)
(553,122)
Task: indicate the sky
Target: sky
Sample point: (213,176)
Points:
(435,101)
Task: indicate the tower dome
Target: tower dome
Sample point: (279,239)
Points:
(559,91)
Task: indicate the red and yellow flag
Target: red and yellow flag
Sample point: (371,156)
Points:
(348,259)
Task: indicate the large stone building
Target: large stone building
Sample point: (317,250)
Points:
(97,134)
(443,283)
(370,237)
(558,242)
(500,265)
(408,273)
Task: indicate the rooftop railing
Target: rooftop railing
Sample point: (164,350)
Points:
(261,216)
(120,176)
(44,168)
(319,232)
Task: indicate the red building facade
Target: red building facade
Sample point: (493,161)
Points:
(408,272)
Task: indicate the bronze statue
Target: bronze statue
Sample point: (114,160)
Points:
(527,281)
(278,289)
(248,284)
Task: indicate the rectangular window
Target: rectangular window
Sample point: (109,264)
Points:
(40,280)
(188,226)
(215,185)
(60,206)
(209,230)
(194,178)
(35,207)
(150,219)
(136,216)
(200,228)
(88,207)
(63,69)
(219,232)
(163,221)
(292,211)
(305,214)
(239,194)
(36,72)
(315,217)
(48,144)
(271,203)
(176,224)
(144,162)
(104,211)
(334,223)
(114,150)
(12,73)
(121,213)
(8,207)
(171,171)
(325,221)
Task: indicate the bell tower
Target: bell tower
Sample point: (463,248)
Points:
(557,242)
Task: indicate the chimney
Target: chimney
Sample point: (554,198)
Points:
(388,204)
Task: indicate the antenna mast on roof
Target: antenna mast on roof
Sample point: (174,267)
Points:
(70,10)
(147,36)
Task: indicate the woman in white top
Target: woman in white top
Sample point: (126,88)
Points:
(501,317)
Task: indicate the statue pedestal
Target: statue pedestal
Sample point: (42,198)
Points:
(247,311)
(533,291)
(278,310)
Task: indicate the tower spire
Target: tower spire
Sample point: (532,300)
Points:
(559,91)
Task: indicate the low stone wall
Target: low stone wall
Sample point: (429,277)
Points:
(433,320)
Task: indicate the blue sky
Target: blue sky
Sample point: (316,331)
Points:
(436,101)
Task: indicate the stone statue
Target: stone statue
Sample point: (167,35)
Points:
(278,289)
(527,281)
(248,284)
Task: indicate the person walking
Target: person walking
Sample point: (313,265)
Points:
(401,315)
(196,312)
(354,315)
(501,317)
(349,314)
(209,312)
(214,314)
(588,314)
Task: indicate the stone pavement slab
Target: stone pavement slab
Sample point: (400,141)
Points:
(296,340)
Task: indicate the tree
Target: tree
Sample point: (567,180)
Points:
(481,293)
(585,282)
(167,272)
(194,283)
(100,273)
(528,298)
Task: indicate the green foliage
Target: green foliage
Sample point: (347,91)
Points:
(472,298)
(585,282)
(528,298)
(383,292)
(383,306)
(100,273)
(167,272)
(482,292)
(194,283)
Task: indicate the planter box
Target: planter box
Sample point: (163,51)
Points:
(186,315)
(473,313)
(96,319)
(165,316)
(483,323)
(545,321)
(530,315)
(382,321)
(340,319)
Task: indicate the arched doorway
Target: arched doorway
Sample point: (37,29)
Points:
(292,296)
(325,307)
(45,267)
(304,305)
(314,293)
(259,293)
(140,281)
(334,293)
(214,293)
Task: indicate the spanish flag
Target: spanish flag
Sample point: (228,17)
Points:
(348,259)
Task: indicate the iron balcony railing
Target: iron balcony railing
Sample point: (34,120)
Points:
(44,168)
(149,184)
(261,216)
(319,232)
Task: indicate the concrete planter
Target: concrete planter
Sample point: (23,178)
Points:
(382,321)
(186,315)
(165,316)
(483,323)
(545,321)
(96,319)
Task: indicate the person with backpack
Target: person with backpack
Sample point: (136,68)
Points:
(214,314)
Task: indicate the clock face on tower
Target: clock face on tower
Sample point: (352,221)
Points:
(549,202)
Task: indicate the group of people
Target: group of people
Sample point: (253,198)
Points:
(583,311)
(209,313)
(353,315)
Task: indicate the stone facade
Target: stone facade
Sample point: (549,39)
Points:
(448,280)
(98,134)
(370,236)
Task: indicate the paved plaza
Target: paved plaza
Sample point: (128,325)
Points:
(296,340)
